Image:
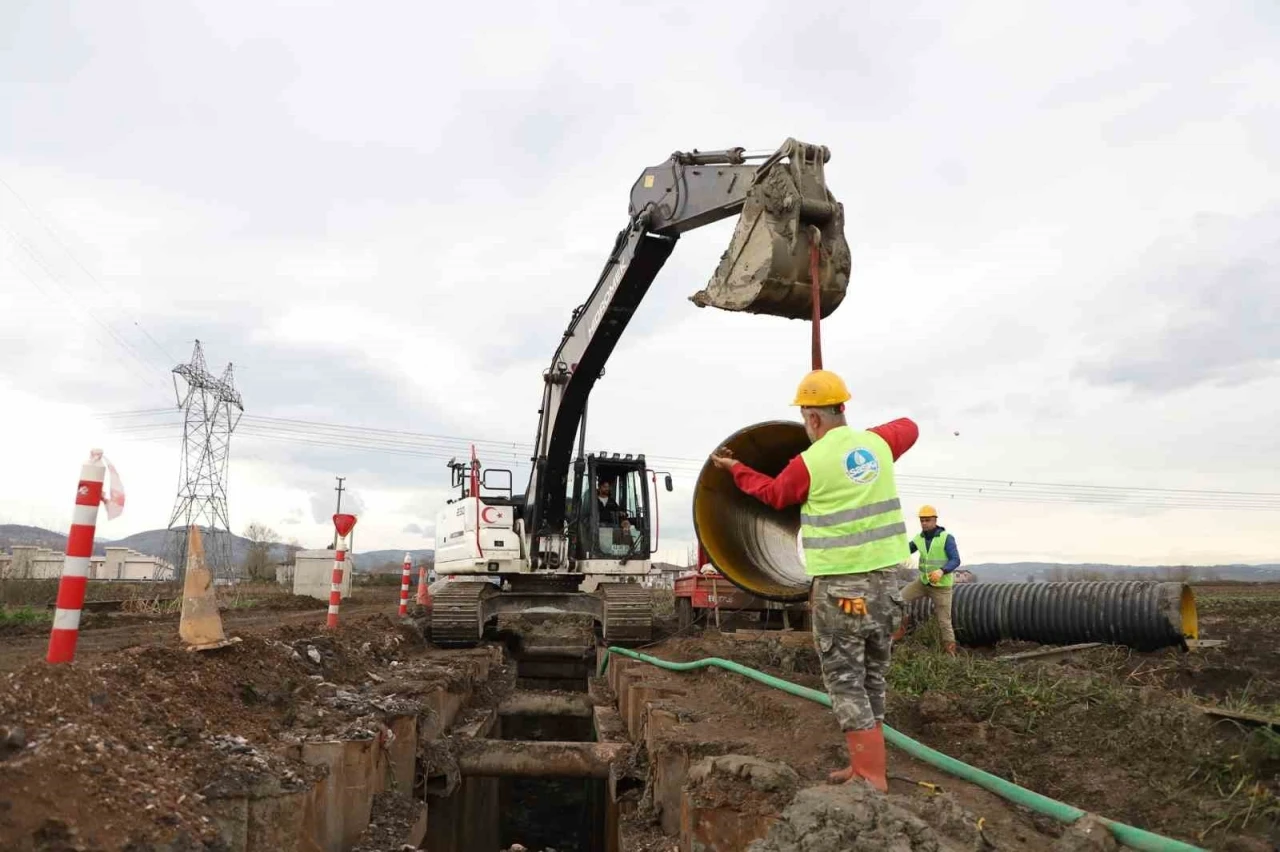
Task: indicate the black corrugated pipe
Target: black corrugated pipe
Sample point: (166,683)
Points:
(756,548)
(1144,615)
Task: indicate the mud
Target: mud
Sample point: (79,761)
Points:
(1087,834)
(851,816)
(741,781)
(712,714)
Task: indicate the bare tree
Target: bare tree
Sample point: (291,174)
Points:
(257,563)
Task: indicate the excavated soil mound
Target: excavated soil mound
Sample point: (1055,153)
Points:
(291,603)
(840,818)
(124,752)
(855,817)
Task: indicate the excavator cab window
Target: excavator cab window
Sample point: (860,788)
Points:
(616,510)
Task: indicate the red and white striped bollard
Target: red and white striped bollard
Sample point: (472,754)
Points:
(404,586)
(75,569)
(343,524)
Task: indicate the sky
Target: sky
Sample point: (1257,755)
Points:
(1064,222)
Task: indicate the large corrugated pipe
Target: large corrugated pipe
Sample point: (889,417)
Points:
(1145,615)
(757,549)
(755,546)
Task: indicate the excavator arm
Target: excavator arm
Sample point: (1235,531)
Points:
(784,207)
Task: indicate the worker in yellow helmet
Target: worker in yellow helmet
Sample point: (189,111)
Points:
(939,558)
(854,537)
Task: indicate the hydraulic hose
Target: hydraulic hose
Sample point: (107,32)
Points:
(1135,838)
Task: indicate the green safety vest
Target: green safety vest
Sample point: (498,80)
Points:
(933,560)
(851,522)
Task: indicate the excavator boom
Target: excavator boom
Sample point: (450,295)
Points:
(783,206)
(541,545)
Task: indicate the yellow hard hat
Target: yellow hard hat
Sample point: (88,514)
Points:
(821,388)
(927,511)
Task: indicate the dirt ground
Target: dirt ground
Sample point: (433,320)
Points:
(140,726)
(108,632)
(147,736)
(734,715)
(1111,731)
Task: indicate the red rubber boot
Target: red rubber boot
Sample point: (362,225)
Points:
(866,759)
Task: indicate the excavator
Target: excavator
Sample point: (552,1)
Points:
(579,545)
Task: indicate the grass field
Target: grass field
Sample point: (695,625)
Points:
(1119,732)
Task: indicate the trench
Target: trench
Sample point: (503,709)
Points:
(563,813)
(551,797)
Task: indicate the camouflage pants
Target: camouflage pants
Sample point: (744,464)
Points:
(941,598)
(853,647)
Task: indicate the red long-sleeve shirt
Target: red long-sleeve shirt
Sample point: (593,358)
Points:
(792,485)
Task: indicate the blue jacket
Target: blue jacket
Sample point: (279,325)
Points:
(953,554)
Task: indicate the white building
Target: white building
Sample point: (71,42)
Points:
(313,574)
(120,563)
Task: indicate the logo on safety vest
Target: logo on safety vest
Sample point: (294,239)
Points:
(861,466)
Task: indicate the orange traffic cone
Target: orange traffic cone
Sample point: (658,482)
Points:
(201,624)
(424,591)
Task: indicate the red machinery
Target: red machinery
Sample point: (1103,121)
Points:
(705,590)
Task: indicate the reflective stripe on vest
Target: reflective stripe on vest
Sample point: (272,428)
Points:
(932,557)
(851,521)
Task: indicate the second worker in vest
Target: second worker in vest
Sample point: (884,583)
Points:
(939,558)
(853,537)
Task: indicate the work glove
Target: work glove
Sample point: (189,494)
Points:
(935,576)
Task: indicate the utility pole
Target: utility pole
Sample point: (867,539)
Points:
(338,510)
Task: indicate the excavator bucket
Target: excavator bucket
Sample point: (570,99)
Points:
(201,625)
(766,269)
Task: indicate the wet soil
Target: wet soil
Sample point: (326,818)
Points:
(1112,731)
(723,713)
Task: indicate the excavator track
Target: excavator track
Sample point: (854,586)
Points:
(628,613)
(456,614)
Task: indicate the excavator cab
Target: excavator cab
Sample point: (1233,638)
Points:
(786,212)
(613,509)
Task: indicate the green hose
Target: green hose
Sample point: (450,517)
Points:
(1135,838)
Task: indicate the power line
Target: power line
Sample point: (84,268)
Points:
(33,253)
(143,376)
(169,359)
(422,445)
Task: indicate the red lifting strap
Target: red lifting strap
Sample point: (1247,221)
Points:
(815,266)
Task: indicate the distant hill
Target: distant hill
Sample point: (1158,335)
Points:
(156,543)
(151,542)
(17,535)
(993,572)
(390,560)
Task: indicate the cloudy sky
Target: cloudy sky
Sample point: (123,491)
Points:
(1065,225)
